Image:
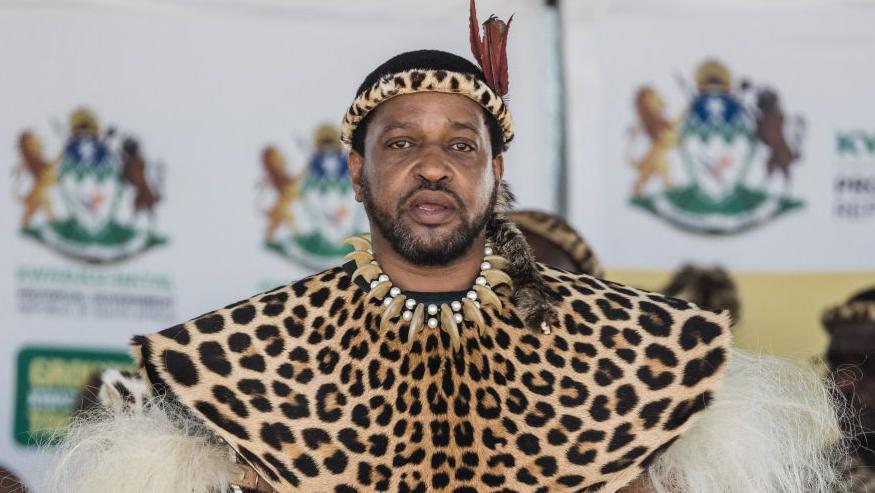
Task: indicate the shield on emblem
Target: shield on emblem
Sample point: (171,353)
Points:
(89,184)
(717,144)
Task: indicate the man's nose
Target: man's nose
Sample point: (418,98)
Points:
(433,165)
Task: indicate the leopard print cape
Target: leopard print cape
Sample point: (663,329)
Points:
(303,385)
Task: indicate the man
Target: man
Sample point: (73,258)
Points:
(441,357)
(851,359)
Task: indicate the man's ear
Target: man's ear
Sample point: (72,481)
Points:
(355,161)
(498,166)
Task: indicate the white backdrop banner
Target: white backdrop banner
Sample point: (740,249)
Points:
(162,159)
(736,132)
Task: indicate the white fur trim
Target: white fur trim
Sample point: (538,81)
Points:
(110,395)
(773,427)
(155,451)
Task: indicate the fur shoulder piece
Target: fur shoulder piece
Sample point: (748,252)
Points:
(773,427)
(137,443)
(533,299)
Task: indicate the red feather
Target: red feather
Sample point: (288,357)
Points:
(502,73)
(490,52)
(474,27)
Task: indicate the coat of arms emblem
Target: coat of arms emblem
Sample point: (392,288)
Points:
(95,201)
(732,143)
(313,209)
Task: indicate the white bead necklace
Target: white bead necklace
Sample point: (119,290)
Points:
(448,316)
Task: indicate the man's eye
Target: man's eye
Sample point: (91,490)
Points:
(400,144)
(463,147)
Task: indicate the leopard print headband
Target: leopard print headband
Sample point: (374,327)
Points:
(851,312)
(426,80)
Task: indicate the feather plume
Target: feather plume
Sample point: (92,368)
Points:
(490,50)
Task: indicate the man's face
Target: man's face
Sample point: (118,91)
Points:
(427,179)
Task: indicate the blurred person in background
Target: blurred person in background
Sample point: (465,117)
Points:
(555,243)
(710,288)
(851,360)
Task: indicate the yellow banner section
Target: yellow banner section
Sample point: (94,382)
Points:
(780,312)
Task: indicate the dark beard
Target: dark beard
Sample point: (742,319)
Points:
(408,246)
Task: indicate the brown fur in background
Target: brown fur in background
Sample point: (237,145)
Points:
(555,243)
(9,483)
(710,288)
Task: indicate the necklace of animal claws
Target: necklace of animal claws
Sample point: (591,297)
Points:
(418,315)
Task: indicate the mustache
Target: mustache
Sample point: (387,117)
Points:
(431,186)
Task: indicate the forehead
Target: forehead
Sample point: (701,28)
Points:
(422,106)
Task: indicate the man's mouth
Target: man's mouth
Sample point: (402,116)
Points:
(432,208)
